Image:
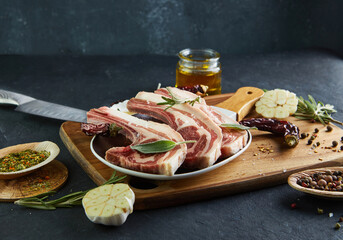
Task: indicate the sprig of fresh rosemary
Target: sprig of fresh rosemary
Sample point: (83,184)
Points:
(40,201)
(312,110)
(174,100)
(236,126)
(158,146)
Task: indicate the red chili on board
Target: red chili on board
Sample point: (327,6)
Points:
(287,129)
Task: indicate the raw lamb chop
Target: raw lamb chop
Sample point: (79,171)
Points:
(233,140)
(190,122)
(140,131)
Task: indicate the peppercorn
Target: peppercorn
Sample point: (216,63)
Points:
(313,183)
(342,148)
(322,182)
(334,143)
(309,142)
(328,178)
(337,226)
(328,128)
(318,143)
(303,135)
(316,130)
(293,205)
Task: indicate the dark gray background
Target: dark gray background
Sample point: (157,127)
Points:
(167,26)
(144,31)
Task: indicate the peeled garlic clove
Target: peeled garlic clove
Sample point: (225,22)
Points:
(260,109)
(270,95)
(291,108)
(109,204)
(292,101)
(258,103)
(269,113)
(269,103)
(282,96)
(281,112)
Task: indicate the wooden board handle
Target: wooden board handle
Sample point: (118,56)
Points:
(242,101)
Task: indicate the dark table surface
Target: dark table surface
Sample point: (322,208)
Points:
(86,82)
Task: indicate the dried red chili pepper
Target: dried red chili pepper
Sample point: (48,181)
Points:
(287,129)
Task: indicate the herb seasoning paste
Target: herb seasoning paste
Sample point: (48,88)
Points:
(18,161)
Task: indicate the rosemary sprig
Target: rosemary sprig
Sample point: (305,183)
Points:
(158,146)
(174,100)
(237,126)
(74,199)
(312,110)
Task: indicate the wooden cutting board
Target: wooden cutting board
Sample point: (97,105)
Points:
(254,169)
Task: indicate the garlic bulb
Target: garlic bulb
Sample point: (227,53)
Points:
(277,103)
(109,204)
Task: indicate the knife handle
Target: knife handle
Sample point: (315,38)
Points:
(242,101)
(5,99)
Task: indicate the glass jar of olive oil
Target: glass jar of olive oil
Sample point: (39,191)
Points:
(199,67)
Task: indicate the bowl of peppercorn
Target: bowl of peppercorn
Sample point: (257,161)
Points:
(22,159)
(322,182)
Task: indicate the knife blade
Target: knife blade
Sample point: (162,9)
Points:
(37,107)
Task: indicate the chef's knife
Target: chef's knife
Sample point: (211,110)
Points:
(34,106)
(238,105)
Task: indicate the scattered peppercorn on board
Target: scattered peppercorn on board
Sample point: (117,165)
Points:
(48,178)
(267,162)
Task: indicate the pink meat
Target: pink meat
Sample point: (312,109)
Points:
(233,140)
(140,131)
(190,122)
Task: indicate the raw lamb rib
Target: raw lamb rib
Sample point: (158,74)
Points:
(233,140)
(140,131)
(190,122)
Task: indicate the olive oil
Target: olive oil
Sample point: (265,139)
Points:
(199,67)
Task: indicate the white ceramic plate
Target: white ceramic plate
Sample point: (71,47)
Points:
(176,176)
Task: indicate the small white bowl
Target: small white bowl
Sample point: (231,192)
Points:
(36,146)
